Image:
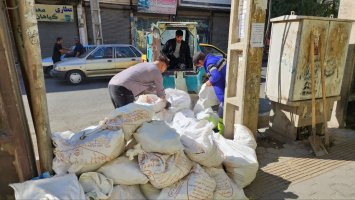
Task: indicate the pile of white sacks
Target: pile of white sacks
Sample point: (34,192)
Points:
(142,151)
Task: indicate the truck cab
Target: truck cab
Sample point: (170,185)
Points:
(189,79)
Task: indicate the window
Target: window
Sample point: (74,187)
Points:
(138,54)
(102,53)
(124,52)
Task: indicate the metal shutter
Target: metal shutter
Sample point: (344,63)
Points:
(49,31)
(116,26)
(220,30)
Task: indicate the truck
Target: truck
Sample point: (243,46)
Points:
(189,79)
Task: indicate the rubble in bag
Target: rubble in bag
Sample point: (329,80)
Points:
(198,185)
(158,137)
(179,99)
(123,171)
(207,99)
(126,192)
(128,118)
(240,161)
(152,101)
(57,187)
(96,186)
(149,191)
(164,170)
(90,147)
(244,136)
(226,189)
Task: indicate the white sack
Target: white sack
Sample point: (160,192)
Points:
(164,115)
(243,136)
(197,185)
(149,191)
(90,146)
(210,115)
(82,168)
(158,137)
(207,98)
(96,186)
(61,168)
(152,101)
(126,192)
(164,170)
(57,187)
(226,189)
(128,118)
(123,171)
(240,161)
(179,99)
(183,121)
(200,146)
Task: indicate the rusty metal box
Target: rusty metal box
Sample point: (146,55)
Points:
(288,74)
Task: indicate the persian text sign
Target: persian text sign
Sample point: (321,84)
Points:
(54,13)
(224,4)
(157,6)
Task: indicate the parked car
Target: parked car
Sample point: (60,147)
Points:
(47,63)
(104,60)
(211,49)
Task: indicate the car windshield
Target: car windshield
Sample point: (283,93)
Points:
(88,50)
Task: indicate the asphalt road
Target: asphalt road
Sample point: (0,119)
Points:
(74,107)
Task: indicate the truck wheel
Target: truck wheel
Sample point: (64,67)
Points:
(75,77)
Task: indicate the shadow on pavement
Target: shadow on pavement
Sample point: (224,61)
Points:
(268,186)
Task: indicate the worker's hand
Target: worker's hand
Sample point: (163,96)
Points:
(208,83)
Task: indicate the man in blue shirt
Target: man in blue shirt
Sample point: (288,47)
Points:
(79,48)
(215,67)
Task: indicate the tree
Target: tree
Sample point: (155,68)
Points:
(322,8)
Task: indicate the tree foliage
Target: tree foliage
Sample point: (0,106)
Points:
(322,8)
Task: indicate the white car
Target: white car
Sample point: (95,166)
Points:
(47,63)
(105,60)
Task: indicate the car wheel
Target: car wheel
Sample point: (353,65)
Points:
(75,77)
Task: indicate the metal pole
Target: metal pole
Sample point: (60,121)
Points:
(25,30)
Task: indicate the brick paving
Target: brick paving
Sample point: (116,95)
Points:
(291,171)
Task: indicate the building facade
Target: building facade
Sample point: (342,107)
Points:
(124,21)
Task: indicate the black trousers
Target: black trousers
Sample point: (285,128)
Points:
(120,96)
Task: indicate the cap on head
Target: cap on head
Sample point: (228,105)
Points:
(198,57)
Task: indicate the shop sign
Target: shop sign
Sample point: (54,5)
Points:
(157,6)
(222,4)
(54,13)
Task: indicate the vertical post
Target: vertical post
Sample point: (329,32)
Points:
(96,21)
(246,71)
(25,30)
(16,151)
(82,24)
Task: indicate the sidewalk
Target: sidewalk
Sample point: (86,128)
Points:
(291,171)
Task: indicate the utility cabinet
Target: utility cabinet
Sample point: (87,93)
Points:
(289,78)
(288,81)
